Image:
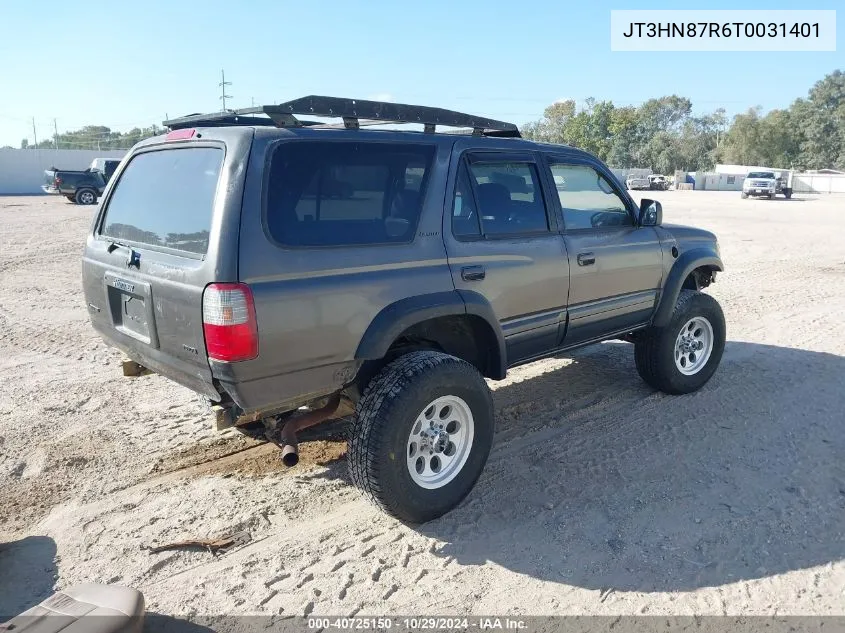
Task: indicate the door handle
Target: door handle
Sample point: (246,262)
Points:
(473,273)
(586,259)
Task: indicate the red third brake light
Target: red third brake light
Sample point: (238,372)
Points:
(178,135)
(229,323)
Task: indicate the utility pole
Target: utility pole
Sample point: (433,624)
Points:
(223,83)
(56,135)
(34,134)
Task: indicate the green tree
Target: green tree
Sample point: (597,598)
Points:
(623,135)
(742,142)
(699,140)
(664,135)
(780,139)
(822,123)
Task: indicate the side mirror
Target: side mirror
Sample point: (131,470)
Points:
(651,213)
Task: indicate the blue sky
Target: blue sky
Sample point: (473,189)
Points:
(126,64)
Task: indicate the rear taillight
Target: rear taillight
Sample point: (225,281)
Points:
(57,181)
(229,324)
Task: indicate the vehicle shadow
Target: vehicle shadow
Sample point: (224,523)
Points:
(159,623)
(27,574)
(596,480)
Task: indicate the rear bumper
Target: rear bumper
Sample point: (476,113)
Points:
(282,392)
(53,191)
(180,372)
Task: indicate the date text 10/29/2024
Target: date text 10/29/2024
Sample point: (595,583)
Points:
(417,624)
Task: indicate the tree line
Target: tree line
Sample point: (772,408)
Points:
(97,137)
(664,135)
(661,134)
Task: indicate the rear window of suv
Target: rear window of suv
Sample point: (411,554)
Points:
(331,193)
(165,198)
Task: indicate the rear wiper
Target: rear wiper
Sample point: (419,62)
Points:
(115,244)
(134,256)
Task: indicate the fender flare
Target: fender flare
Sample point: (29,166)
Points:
(400,315)
(683,266)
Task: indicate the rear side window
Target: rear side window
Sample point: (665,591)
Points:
(165,198)
(464,214)
(336,193)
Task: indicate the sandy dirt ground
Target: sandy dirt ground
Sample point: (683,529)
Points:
(601,496)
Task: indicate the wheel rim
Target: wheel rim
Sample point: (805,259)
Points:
(86,197)
(440,442)
(694,346)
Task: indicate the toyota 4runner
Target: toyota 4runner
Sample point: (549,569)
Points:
(295,271)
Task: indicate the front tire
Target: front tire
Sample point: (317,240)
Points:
(86,196)
(681,357)
(743,195)
(421,435)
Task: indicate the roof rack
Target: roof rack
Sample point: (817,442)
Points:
(355,113)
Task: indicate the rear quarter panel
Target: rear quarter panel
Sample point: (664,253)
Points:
(313,305)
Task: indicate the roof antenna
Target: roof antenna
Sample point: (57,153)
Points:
(223,83)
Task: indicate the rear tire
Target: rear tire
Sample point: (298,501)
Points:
(86,196)
(668,358)
(421,435)
(787,193)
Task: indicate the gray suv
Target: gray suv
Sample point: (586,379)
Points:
(294,272)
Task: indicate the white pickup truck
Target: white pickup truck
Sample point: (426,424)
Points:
(637,182)
(768,184)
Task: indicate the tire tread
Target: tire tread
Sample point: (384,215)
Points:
(650,348)
(365,439)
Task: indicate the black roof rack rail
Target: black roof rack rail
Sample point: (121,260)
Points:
(354,112)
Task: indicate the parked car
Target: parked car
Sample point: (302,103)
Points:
(81,187)
(637,182)
(768,184)
(658,182)
(216,261)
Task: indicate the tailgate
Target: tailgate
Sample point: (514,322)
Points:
(151,255)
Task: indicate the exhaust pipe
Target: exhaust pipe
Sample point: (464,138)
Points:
(290,446)
(290,454)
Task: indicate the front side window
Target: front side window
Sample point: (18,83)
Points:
(587,198)
(509,198)
(329,193)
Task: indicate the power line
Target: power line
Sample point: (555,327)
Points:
(223,83)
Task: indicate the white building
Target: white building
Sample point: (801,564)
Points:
(22,170)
